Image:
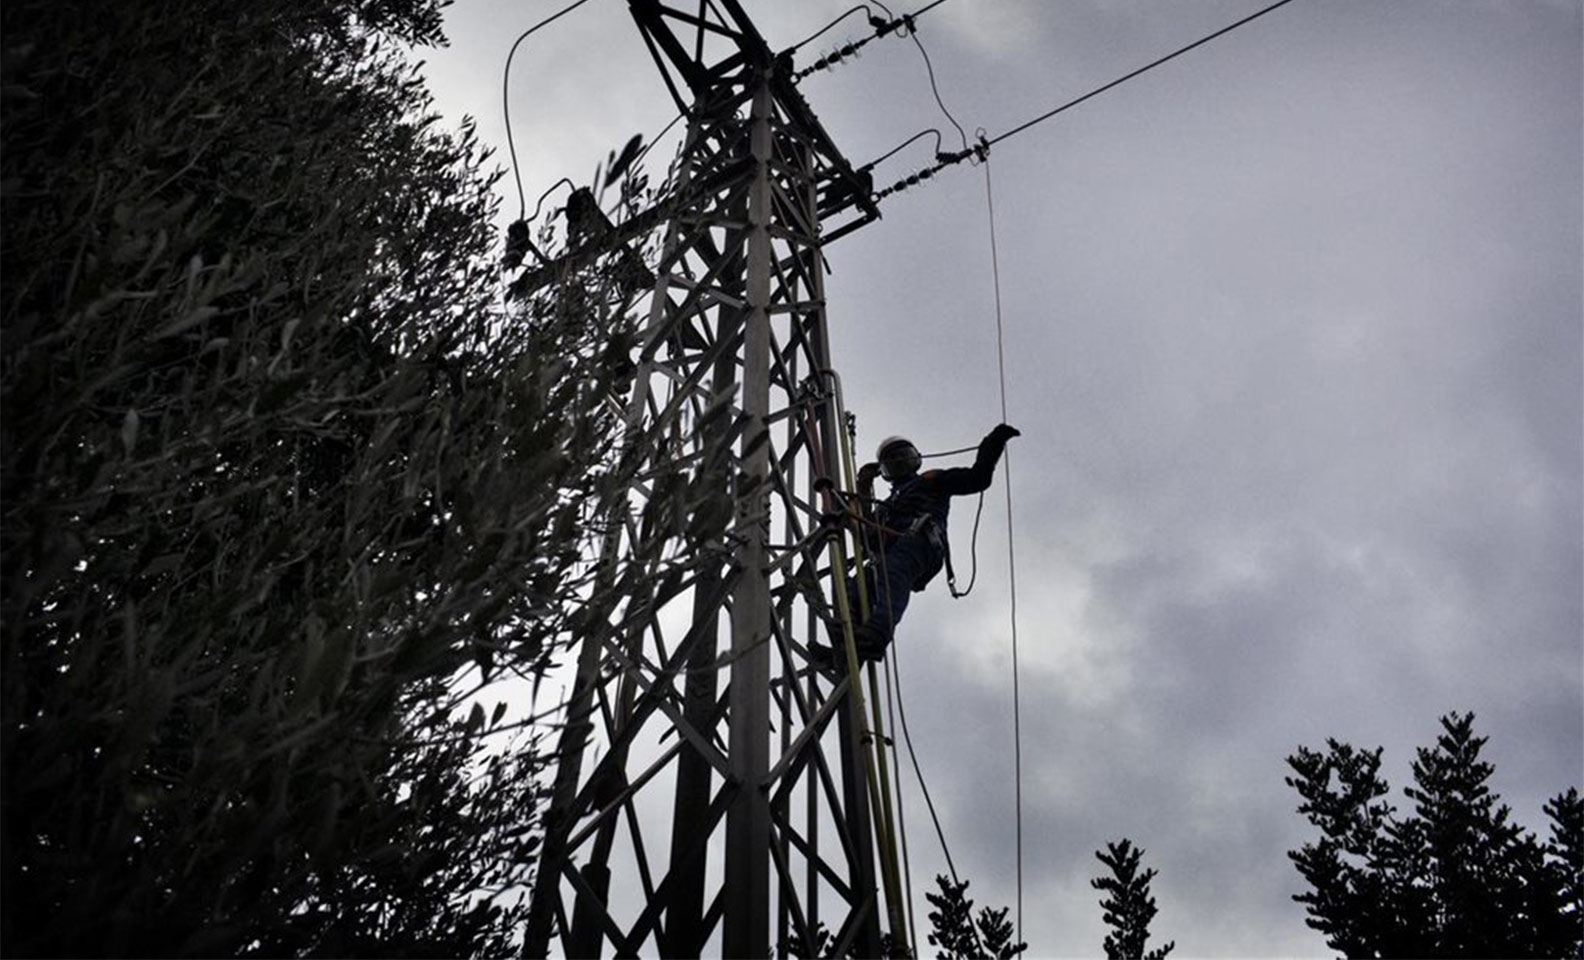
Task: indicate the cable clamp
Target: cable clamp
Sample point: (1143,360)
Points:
(981,149)
(810,391)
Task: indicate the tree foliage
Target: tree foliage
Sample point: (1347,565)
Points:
(1456,878)
(822,943)
(284,487)
(958,934)
(1129,907)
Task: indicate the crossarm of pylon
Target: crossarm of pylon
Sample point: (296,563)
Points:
(628,229)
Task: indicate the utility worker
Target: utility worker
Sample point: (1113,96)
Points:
(906,533)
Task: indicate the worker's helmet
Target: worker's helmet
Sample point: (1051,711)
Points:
(899,459)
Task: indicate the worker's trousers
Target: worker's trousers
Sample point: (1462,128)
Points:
(891,577)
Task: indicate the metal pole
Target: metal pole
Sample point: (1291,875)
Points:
(747,932)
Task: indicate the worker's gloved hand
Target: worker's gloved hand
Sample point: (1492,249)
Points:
(1005,432)
(868,472)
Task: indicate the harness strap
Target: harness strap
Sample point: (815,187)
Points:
(951,575)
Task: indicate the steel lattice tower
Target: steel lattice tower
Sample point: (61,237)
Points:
(778,793)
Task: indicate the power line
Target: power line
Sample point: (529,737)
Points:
(982,148)
(923,10)
(1144,69)
(511,145)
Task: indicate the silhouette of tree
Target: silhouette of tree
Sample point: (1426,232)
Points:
(285,488)
(959,935)
(823,944)
(1566,858)
(1128,905)
(1455,879)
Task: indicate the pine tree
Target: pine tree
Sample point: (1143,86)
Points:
(1129,907)
(1565,856)
(1457,878)
(959,935)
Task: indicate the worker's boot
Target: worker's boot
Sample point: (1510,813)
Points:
(871,644)
(829,661)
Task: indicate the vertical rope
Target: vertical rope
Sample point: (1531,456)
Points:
(1017,712)
(893,680)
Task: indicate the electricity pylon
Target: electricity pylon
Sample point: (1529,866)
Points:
(776,783)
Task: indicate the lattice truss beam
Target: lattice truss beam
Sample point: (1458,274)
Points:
(685,806)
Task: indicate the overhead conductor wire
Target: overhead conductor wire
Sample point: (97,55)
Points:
(511,145)
(982,148)
(1149,66)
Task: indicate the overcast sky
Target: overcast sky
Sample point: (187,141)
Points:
(1294,339)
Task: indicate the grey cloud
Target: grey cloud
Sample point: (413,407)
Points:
(1296,338)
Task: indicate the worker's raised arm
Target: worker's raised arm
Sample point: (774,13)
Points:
(963,480)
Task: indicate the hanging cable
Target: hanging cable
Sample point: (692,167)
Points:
(983,147)
(1017,711)
(825,29)
(930,68)
(511,146)
(564,181)
(907,737)
(899,148)
(973,557)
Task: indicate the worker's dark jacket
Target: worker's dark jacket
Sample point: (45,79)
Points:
(918,506)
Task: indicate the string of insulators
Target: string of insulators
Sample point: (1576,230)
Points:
(979,153)
(881,27)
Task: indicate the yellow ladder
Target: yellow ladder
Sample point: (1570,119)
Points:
(871,722)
